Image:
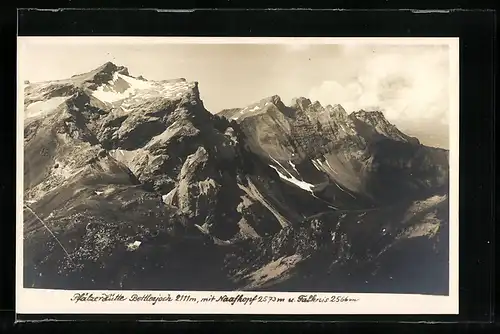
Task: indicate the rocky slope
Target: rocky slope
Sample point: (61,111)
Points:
(133,184)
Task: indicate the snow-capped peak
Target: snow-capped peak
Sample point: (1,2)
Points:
(122,87)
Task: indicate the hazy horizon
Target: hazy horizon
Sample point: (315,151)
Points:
(408,83)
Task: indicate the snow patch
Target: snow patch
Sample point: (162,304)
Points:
(133,245)
(135,83)
(280,166)
(41,108)
(293,166)
(238,115)
(254,108)
(301,184)
(316,163)
(107,93)
(110,96)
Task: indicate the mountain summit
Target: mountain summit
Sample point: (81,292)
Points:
(132,184)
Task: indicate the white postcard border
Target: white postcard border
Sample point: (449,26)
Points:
(38,301)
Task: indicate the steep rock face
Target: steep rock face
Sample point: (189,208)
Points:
(341,157)
(133,184)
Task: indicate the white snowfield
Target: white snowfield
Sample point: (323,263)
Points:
(108,95)
(42,108)
(111,93)
(123,87)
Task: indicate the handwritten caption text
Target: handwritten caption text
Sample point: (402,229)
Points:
(244,299)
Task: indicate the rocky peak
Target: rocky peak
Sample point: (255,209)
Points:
(99,75)
(261,107)
(317,106)
(373,117)
(373,125)
(275,99)
(336,108)
(108,69)
(300,103)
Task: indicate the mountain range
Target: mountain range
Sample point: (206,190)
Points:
(132,184)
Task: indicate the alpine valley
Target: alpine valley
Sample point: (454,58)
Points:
(132,184)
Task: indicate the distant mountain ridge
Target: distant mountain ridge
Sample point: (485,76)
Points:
(349,149)
(132,184)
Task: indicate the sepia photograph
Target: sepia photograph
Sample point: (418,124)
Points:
(304,166)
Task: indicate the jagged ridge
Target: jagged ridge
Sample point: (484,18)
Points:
(307,142)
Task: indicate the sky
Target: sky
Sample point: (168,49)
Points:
(408,82)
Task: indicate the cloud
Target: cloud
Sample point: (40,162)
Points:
(332,92)
(406,85)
